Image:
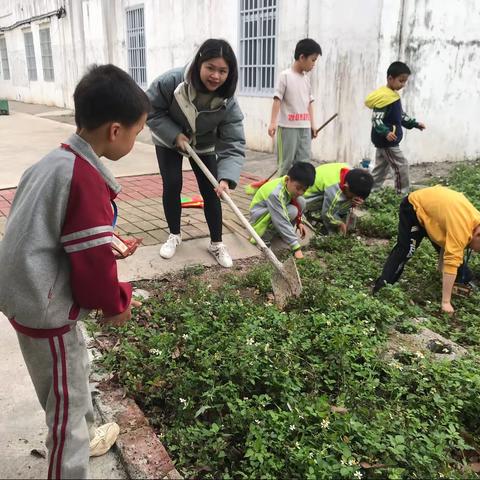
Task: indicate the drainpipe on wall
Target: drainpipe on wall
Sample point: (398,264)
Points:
(60,13)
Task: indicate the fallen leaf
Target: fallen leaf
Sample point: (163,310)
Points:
(368,466)
(475,467)
(340,410)
(38,453)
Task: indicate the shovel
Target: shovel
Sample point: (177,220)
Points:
(285,280)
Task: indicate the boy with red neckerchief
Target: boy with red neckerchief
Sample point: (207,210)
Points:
(336,189)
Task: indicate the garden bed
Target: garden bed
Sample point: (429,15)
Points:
(239,389)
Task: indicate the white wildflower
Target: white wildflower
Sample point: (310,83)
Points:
(155,351)
(325,423)
(257,422)
(358,474)
(292,428)
(183,402)
(396,365)
(297,444)
(250,341)
(185,336)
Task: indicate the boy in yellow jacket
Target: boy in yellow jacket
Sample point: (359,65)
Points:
(451,223)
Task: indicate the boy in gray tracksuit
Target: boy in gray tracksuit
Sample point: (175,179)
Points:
(278,205)
(57,263)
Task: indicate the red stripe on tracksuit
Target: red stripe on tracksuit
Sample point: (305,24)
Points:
(65,406)
(57,406)
(61,400)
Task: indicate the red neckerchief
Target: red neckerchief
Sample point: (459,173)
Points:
(343,174)
(298,218)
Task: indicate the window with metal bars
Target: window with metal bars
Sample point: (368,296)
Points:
(4,58)
(136,45)
(47,58)
(30,56)
(258,26)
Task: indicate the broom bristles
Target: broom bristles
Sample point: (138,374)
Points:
(252,188)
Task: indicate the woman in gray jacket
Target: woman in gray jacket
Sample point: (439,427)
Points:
(196,104)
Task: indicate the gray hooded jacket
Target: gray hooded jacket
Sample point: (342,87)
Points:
(216,130)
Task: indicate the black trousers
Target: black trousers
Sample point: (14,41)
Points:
(170,163)
(410,235)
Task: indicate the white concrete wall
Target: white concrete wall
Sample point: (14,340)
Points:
(359,38)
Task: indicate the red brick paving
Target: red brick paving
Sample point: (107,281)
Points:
(140,207)
(133,188)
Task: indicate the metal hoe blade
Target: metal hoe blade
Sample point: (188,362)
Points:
(286,284)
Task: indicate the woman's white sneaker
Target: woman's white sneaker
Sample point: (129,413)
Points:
(167,250)
(219,252)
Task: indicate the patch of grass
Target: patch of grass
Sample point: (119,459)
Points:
(382,218)
(238,389)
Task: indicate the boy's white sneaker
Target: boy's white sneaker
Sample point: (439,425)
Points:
(105,436)
(167,250)
(220,253)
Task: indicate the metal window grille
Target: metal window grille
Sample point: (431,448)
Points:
(258,26)
(30,56)
(47,58)
(136,45)
(4,58)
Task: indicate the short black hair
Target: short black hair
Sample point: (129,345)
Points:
(108,94)
(303,173)
(360,182)
(307,47)
(215,48)
(398,68)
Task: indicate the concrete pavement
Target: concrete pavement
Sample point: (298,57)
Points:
(23,420)
(25,139)
(146,263)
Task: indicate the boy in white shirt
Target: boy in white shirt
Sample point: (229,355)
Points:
(295,126)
